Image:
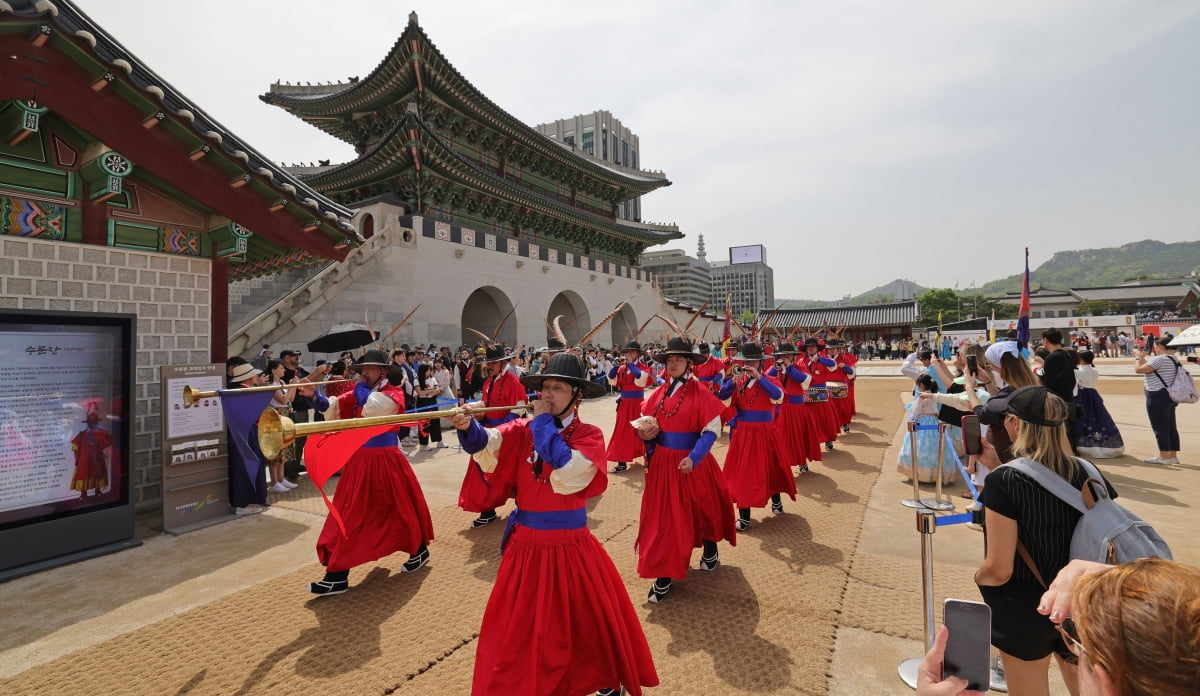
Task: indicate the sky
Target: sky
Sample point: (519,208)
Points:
(859,141)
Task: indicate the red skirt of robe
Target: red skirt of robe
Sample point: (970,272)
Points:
(825,418)
(679,511)
(753,469)
(796,430)
(573,635)
(383,508)
(478,493)
(625,445)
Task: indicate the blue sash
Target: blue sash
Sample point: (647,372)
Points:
(550,519)
(755,416)
(632,394)
(677,441)
(795,399)
(389,439)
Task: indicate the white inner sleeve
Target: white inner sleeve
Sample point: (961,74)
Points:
(487,458)
(379,405)
(574,476)
(714,427)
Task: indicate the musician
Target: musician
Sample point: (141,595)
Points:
(753,468)
(559,620)
(709,370)
(796,429)
(378,497)
(822,368)
(685,503)
(499,387)
(845,364)
(630,379)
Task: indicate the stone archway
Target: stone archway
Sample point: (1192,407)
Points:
(624,326)
(483,311)
(576,320)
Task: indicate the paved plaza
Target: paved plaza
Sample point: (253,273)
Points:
(824,599)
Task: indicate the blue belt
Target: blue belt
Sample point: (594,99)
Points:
(388,439)
(710,378)
(796,399)
(550,519)
(677,441)
(755,416)
(492,421)
(639,394)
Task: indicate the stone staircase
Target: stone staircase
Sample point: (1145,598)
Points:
(250,298)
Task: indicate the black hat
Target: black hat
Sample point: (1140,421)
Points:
(1028,404)
(495,353)
(750,351)
(373,357)
(812,341)
(786,349)
(678,346)
(704,348)
(568,368)
(632,345)
(834,343)
(288,353)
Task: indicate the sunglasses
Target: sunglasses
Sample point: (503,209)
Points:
(1070,636)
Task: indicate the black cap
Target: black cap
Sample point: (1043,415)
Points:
(496,353)
(567,367)
(750,351)
(289,352)
(812,341)
(1028,404)
(632,345)
(373,357)
(678,346)
(786,349)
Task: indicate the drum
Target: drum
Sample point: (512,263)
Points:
(816,394)
(838,390)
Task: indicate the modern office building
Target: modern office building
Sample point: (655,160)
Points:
(746,278)
(600,136)
(679,276)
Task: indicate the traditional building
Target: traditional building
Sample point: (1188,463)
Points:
(118,194)
(469,213)
(894,320)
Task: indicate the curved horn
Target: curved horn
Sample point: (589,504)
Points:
(557,329)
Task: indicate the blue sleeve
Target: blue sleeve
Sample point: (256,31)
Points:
(827,362)
(847,369)
(703,445)
(796,374)
(770,388)
(473,438)
(726,389)
(361,393)
(635,370)
(548,442)
(773,372)
(319,402)
(612,374)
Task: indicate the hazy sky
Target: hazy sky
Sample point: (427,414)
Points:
(859,141)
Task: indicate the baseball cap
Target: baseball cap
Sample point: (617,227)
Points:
(288,353)
(1028,404)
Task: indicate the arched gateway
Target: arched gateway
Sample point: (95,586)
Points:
(483,311)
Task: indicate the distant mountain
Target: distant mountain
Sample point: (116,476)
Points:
(895,291)
(1146,259)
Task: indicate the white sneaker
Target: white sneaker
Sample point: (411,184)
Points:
(279,488)
(248,510)
(1164,462)
(289,484)
(442,444)
(426,448)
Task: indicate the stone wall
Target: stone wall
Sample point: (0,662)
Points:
(171,296)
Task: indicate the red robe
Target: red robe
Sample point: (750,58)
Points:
(851,361)
(477,492)
(625,444)
(753,467)
(559,621)
(796,428)
(91,462)
(681,510)
(709,373)
(378,498)
(826,419)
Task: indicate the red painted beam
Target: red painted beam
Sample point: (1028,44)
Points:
(65,87)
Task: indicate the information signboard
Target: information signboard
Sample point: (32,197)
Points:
(195,462)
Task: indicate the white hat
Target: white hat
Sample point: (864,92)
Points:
(995,351)
(243,372)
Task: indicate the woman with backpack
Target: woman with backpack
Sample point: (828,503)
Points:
(1028,536)
(1160,372)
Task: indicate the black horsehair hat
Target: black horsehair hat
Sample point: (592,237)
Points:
(372,357)
(678,346)
(632,345)
(567,367)
(1028,404)
(750,351)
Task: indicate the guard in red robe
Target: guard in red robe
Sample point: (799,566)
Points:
(500,388)
(630,379)
(753,468)
(847,363)
(710,370)
(685,503)
(91,447)
(378,498)
(796,428)
(822,368)
(559,621)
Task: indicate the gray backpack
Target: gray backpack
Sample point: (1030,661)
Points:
(1107,532)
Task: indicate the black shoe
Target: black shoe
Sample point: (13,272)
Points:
(846,428)
(710,563)
(610,692)
(743,524)
(658,592)
(484,519)
(621,466)
(803,468)
(325,588)
(415,562)
(829,446)
(777,508)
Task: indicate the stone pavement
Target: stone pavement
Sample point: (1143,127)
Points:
(825,600)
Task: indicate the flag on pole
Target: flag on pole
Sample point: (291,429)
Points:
(727,332)
(939,334)
(326,453)
(1023,316)
(992,328)
(242,409)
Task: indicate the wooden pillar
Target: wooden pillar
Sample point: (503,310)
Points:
(219,312)
(95,222)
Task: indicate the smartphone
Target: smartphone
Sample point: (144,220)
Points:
(968,650)
(970,435)
(972,365)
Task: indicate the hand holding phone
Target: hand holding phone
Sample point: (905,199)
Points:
(971,435)
(972,365)
(968,650)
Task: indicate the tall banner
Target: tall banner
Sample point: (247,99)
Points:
(1023,316)
(727,331)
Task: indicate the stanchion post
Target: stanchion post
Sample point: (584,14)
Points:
(936,502)
(915,501)
(926,525)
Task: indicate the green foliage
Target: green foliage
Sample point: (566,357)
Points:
(1147,259)
(746,317)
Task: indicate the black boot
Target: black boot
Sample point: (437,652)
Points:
(659,590)
(776,504)
(709,560)
(485,517)
(331,584)
(417,560)
(621,466)
(743,522)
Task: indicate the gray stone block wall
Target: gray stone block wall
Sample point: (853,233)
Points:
(171,296)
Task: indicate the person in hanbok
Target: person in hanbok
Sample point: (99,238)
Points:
(499,387)
(1096,434)
(559,621)
(685,503)
(630,380)
(796,427)
(924,412)
(754,470)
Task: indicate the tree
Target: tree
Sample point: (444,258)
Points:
(942,300)
(747,317)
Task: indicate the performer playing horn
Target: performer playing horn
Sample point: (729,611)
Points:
(796,429)
(500,388)
(686,503)
(559,621)
(631,380)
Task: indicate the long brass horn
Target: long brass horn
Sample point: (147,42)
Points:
(190,396)
(276,432)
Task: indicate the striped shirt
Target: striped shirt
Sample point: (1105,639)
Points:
(1166,366)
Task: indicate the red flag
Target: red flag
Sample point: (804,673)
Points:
(727,332)
(326,453)
(1023,315)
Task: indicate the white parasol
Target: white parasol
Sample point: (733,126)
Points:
(1188,337)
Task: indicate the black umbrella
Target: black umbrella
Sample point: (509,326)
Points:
(342,337)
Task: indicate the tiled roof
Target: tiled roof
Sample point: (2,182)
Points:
(892,314)
(1134,292)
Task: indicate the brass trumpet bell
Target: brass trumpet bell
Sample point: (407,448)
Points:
(191,396)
